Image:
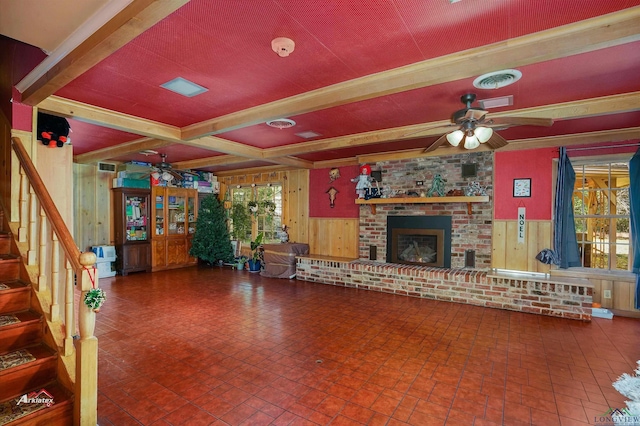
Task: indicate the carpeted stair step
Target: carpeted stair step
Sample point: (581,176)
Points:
(60,413)
(25,369)
(20,329)
(15,295)
(9,266)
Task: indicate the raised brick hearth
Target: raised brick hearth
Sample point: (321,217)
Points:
(534,294)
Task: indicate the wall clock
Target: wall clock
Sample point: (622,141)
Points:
(522,187)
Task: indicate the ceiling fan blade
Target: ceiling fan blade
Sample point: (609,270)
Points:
(436,144)
(496,141)
(475,114)
(520,121)
(176,175)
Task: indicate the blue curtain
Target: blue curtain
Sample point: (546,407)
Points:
(565,242)
(634,201)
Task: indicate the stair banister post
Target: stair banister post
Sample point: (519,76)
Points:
(42,254)
(69,324)
(24,206)
(86,394)
(33,227)
(55,278)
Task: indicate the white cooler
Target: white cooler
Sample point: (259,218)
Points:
(106,255)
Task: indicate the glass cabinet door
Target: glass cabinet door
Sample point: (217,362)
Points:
(176,213)
(159,215)
(191,210)
(136,217)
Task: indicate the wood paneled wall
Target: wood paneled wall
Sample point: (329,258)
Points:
(92,206)
(334,237)
(507,253)
(296,203)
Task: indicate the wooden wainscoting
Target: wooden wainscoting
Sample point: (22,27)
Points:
(296,205)
(334,237)
(507,253)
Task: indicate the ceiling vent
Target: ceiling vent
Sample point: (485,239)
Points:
(107,167)
(502,101)
(497,79)
(308,134)
(281,123)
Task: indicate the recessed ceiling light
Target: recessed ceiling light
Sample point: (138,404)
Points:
(502,101)
(308,134)
(281,123)
(184,87)
(497,79)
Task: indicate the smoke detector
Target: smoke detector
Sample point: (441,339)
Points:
(282,46)
(497,79)
(281,123)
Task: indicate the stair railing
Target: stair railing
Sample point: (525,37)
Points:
(38,213)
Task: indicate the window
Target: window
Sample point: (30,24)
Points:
(601,210)
(268,217)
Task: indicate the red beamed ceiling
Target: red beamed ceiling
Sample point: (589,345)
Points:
(225,47)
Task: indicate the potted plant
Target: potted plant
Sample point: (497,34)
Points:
(240,262)
(268,206)
(253,207)
(254,262)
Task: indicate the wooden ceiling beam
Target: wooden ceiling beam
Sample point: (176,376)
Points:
(584,36)
(120,150)
(614,104)
(617,135)
(133,20)
(341,162)
(291,162)
(254,170)
(108,118)
(225,146)
(613,136)
(218,160)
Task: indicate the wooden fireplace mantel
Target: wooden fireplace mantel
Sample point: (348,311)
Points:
(423,200)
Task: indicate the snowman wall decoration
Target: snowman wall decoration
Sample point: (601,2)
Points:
(363,180)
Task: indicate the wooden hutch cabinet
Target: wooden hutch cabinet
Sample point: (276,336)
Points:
(131,220)
(174,213)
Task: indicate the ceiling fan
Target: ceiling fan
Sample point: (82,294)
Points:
(166,170)
(475,128)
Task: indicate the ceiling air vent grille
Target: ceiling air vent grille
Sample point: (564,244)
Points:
(107,167)
(281,123)
(497,79)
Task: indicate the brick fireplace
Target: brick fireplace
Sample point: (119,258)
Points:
(469,232)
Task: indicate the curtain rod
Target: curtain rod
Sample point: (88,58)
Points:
(603,147)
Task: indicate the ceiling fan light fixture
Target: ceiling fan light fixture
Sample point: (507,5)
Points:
(455,137)
(471,142)
(483,134)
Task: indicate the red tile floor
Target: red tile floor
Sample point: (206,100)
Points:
(199,346)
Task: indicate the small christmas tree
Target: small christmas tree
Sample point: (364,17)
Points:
(211,242)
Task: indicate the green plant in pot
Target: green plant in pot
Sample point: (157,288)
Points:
(240,262)
(254,262)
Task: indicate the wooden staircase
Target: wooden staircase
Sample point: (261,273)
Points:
(28,364)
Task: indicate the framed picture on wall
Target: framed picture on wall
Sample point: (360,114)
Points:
(522,187)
